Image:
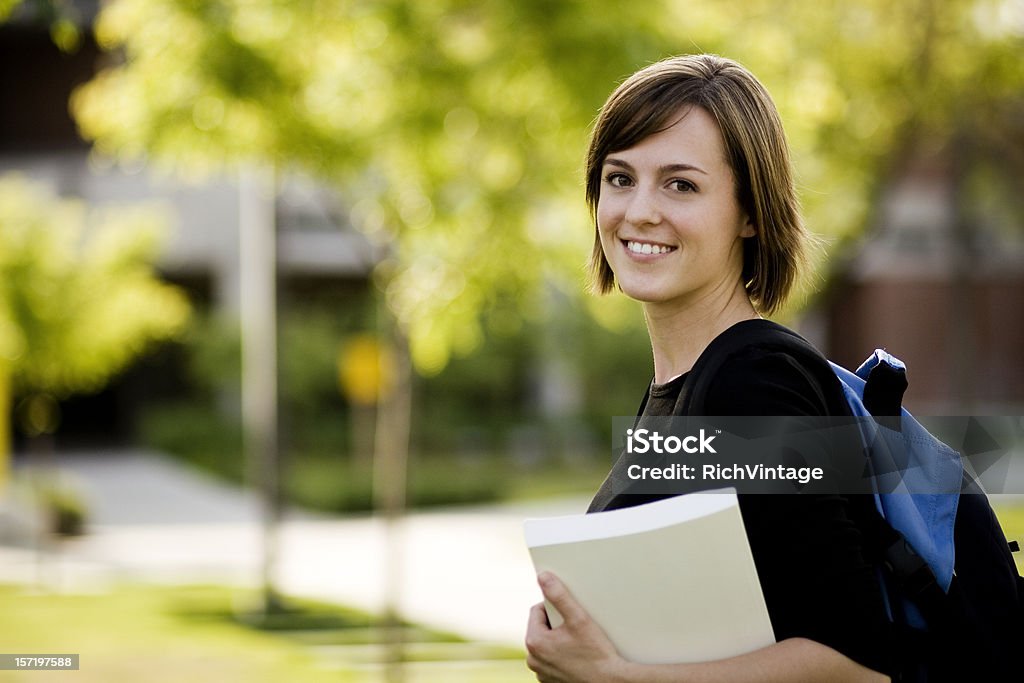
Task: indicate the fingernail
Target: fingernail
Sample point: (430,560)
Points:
(544,578)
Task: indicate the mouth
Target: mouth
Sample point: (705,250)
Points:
(645,248)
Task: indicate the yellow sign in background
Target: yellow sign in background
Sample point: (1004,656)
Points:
(365,370)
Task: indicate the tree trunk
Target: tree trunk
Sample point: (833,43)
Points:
(258,311)
(389,484)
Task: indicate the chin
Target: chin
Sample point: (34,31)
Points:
(646,295)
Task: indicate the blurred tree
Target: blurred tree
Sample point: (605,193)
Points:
(450,126)
(78,298)
(64,19)
(456,128)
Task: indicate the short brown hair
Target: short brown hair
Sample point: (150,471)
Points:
(755,145)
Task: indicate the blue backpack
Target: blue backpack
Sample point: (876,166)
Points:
(953,590)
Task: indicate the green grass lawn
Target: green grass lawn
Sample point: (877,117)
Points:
(1011,518)
(157,633)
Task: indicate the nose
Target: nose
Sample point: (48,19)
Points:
(642,208)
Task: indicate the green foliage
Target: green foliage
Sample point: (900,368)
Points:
(204,426)
(466,420)
(7,7)
(338,485)
(63,507)
(1011,518)
(313,414)
(457,129)
(214,348)
(479,402)
(443,119)
(319,476)
(78,296)
(312,337)
(62,16)
(199,432)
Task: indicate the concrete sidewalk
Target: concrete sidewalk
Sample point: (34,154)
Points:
(152,519)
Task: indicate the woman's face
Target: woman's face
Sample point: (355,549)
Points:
(669,222)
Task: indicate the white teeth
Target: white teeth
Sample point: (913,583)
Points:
(647,248)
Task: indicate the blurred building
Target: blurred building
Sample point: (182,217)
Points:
(941,287)
(317,249)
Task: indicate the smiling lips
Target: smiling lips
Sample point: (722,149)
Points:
(647,247)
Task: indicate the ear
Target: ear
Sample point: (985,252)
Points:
(748,229)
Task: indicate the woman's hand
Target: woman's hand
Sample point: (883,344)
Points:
(578,651)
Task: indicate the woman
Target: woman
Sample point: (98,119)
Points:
(689,180)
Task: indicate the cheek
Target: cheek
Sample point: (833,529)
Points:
(607,218)
(602,225)
(605,239)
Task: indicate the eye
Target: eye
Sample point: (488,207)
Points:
(617,179)
(680,185)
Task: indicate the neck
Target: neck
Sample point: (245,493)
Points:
(680,333)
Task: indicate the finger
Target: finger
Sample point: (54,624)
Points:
(538,620)
(558,595)
(537,630)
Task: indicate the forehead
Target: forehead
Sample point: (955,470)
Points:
(691,136)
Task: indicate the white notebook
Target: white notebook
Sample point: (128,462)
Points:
(669,581)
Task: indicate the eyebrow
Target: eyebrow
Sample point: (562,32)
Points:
(667,168)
